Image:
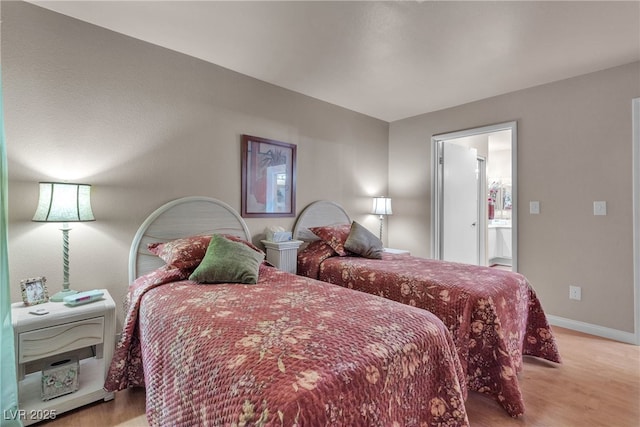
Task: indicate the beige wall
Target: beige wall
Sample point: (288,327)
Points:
(574,147)
(145,125)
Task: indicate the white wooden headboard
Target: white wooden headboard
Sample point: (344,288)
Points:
(183,217)
(317,214)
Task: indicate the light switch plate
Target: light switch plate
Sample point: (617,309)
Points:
(534,207)
(600,208)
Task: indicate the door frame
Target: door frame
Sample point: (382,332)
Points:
(635,107)
(482,209)
(437,181)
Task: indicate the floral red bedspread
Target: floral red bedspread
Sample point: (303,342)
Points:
(494,315)
(287,351)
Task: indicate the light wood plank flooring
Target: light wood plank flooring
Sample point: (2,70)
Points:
(598,385)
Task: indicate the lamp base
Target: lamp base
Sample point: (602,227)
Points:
(60,295)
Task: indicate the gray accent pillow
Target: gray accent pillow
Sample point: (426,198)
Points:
(228,262)
(363,242)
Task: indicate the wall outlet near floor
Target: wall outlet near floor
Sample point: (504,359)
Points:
(600,208)
(534,207)
(575,292)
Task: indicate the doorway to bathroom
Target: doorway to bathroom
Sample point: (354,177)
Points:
(474,192)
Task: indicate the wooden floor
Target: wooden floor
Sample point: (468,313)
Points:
(598,385)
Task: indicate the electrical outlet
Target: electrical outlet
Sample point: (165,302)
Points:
(600,208)
(575,292)
(534,207)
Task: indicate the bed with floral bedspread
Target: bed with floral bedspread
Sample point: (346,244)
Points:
(288,350)
(493,315)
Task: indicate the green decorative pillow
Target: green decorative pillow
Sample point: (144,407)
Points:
(363,242)
(228,262)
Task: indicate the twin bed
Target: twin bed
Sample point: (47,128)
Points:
(494,316)
(287,350)
(293,350)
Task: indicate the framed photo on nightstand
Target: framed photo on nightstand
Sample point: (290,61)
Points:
(34,290)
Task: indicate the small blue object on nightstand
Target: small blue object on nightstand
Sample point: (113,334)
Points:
(83,297)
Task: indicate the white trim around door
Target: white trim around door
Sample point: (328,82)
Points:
(636,215)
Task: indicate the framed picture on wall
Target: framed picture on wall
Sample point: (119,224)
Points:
(268,178)
(34,290)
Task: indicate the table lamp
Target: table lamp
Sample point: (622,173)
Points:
(64,202)
(381,206)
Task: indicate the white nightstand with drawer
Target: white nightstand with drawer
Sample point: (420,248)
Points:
(397,251)
(45,338)
(283,255)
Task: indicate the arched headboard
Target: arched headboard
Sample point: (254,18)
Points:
(317,214)
(183,217)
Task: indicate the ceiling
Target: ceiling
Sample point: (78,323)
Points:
(388,60)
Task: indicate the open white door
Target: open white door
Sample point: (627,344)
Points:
(460,204)
(452,216)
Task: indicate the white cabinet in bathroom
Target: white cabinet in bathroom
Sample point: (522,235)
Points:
(499,242)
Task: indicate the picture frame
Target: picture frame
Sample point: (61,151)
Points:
(268,178)
(34,290)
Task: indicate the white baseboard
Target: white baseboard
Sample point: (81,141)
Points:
(599,331)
